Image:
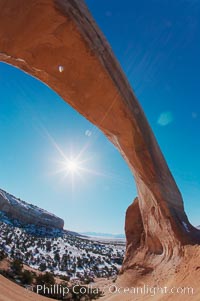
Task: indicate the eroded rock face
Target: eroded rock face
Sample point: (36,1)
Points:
(26,213)
(43,37)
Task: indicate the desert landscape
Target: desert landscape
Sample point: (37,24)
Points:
(162,247)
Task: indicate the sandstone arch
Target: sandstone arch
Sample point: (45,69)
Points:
(38,36)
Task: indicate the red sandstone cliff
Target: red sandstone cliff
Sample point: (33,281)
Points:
(27,213)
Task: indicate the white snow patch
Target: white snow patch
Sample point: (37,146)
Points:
(185,226)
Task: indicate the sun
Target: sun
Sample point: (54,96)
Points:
(72,165)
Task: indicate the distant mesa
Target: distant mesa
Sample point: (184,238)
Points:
(27,213)
(104,235)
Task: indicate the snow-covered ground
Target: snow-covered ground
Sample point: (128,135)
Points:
(64,253)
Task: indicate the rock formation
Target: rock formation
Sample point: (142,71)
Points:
(27,213)
(58,42)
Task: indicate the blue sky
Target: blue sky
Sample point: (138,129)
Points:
(157,44)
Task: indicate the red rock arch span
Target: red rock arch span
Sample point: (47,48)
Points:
(38,36)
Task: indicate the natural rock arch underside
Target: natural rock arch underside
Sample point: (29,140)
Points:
(44,37)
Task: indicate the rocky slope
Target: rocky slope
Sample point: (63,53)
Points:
(27,213)
(17,293)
